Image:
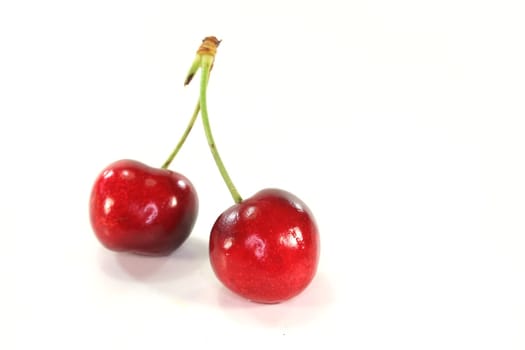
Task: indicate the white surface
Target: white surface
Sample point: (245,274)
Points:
(400,123)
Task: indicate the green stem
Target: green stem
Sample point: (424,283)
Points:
(184,136)
(206,62)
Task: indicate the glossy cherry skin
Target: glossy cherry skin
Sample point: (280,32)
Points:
(139,209)
(266,248)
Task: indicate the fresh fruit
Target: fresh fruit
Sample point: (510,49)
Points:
(264,248)
(140,209)
(144,210)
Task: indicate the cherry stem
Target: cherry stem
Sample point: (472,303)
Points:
(206,63)
(184,136)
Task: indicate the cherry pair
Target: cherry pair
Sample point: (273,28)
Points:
(264,248)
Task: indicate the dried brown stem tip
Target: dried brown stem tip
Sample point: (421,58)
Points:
(209,46)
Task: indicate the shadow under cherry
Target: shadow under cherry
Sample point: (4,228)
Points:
(183,262)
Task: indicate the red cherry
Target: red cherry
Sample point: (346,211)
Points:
(266,248)
(141,209)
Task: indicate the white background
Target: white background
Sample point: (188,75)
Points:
(400,123)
